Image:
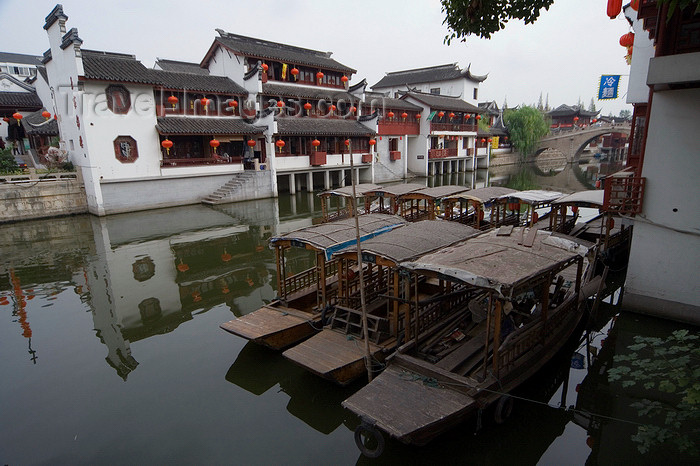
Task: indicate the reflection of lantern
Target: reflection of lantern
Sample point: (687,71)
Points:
(319,75)
(214,144)
(280,143)
(315,143)
(441,114)
(17,116)
(390,114)
(173,100)
(167,144)
(183,267)
(614,8)
(251,143)
(46,114)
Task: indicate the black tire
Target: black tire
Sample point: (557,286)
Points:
(369,440)
(504,408)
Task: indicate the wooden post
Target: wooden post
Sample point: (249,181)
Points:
(280,278)
(497,310)
(395,304)
(322,280)
(545,306)
(488,333)
(415,297)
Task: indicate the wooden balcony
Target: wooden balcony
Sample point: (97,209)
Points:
(624,192)
(395,155)
(398,128)
(461,127)
(317,158)
(195,161)
(441,153)
(366,158)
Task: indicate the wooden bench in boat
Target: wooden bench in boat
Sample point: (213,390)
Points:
(274,326)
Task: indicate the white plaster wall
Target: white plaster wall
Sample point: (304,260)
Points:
(102,127)
(642,52)
(664,262)
(461,87)
(44,93)
(291,163)
(225,63)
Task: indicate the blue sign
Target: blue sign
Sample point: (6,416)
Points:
(608,86)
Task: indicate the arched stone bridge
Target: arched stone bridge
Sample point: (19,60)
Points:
(571,142)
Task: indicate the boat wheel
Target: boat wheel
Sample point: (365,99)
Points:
(369,440)
(504,408)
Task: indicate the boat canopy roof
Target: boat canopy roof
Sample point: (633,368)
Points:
(412,240)
(396,190)
(533,196)
(593,198)
(438,192)
(360,190)
(333,236)
(483,195)
(499,263)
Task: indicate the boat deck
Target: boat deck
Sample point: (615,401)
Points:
(407,405)
(333,355)
(274,326)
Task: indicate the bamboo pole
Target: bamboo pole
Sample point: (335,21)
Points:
(353,206)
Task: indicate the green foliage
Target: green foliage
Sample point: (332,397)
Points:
(625,114)
(526,126)
(591,106)
(55,141)
(668,366)
(483,126)
(8,164)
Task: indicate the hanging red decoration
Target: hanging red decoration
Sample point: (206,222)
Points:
(333,108)
(294,72)
(204,101)
(319,75)
(173,100)
(233,103)
(575,119)
(226,256)
(417,116)
(167,144)
(265,67)
(390,114)
(478,117)
(280,103)
(404,115)
(17,116)
(280,143)
(372,142)
(347,142)
(344,79)
(627,40)
(574,208)
(307,106)
(6,120)
(614,8)
(483,140)
(451,115)
(315,143)
(251,143)
(634,4)
(489,139)
(535,217)
(441,114)
(466,116)
(353,109)
(611,223)
(214,144)
(46,114)
(183,267)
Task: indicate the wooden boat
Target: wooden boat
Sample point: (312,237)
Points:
(473,207)
(386,199)
(520,208)
(337,204)
(337,353)
(526,289)
(424,204)
(305,296)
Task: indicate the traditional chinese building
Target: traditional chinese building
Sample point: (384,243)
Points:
(566,116)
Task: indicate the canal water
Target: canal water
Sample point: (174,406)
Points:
(112,352)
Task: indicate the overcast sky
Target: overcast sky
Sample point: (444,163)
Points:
(562,55)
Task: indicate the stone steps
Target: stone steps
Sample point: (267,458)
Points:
(225,193)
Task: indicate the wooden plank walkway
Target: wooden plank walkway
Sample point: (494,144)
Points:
(333,355)
(276,327)
(406,407)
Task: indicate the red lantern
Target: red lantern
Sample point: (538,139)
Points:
(344,79)
(353,109)
(575,119)
(280,103)
(280,143)
(614,8)
(466,116)
(183,267)
(226,257)
(17,116)
(347,142)
(173,100)
(294,72)
(404,115)
(627,40)
(316,143)
(319,75)
(390,114)
(478,117)
(214,144)
(333,108)
(372,142)
(204,101)
(167,144)
(441,114)
(451,115)
(489,139)
(634,4)
(265,67)
(251,142)
(483,140)
(307,106)
(233,103)
(46,114)
(594,120)
(417,116)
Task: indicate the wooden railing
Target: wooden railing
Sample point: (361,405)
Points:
(198,161)
(307,278)
(432,313)
(398,127)
(624,193)
(441,153)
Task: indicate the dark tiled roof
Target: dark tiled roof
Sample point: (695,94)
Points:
(490,108)
(379,100)
(250,46)
(426,75)
(283,90)
(55,14)
(34,123)
(441,102)
(42,71)
(20,100)
(20,58)
(181,66)
(196,82)
(566,110)
(182,125)
(294,126)
(115,67)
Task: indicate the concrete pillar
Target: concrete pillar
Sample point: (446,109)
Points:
(326,180)
(292,184)
(342,178)
(293,204)
(310,181)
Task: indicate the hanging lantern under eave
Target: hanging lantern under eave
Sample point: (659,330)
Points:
(345,79)
(614,8)
(347,143)
(280,143)
(214,143)
(233,103)
(204,101)
(172,100)
(353,109)
(478,117)
(307,107)
(333,108)
(627,40)
(576,119)
(404,115)
(315,143)
(280,103)
(17,116)
(265,67)
(251,143)
(417,116)
(372,142)
(390,114)
(451,115)
(167,145)
(441,114)
(634,4)
(46,114)
(294,72)
(319,76)
(483,140)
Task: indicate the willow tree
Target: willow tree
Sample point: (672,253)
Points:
(526,126)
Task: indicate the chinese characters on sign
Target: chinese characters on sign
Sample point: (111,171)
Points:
(608,86)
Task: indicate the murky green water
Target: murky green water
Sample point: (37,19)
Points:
(112,354)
